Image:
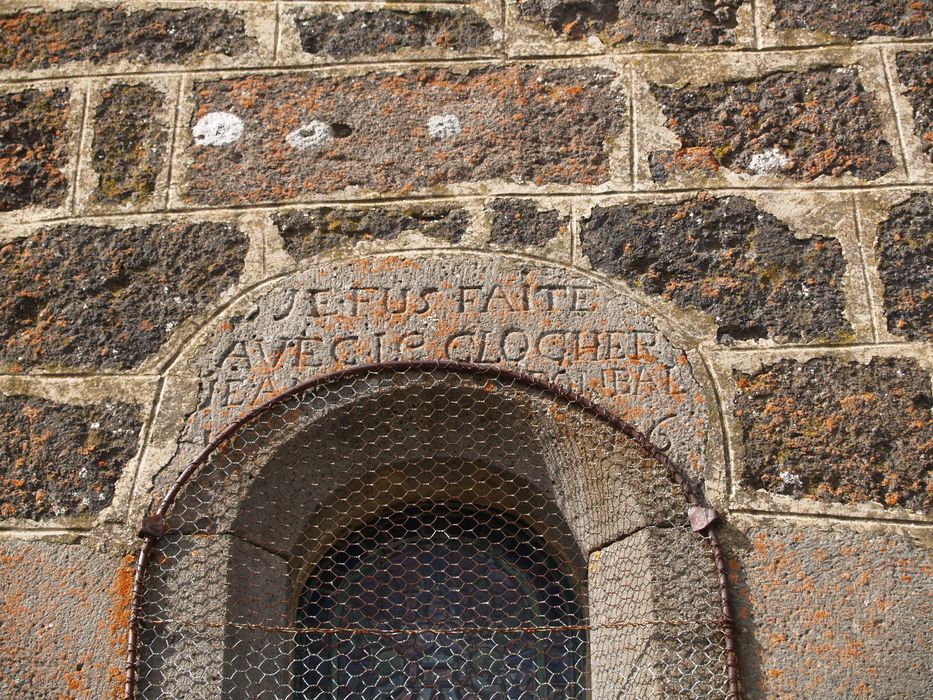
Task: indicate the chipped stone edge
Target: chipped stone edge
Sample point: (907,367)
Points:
(651,132)
(259,19)
(527,38)
(76,124)
(139,390)
(724,362)
(86,202)
(290,52)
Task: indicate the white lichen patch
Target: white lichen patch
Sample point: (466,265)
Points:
(311,135)
(770,161)
(217,129)
(443,126)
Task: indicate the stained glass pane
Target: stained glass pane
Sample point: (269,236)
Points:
(440,601)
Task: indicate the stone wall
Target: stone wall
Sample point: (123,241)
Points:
(739,190)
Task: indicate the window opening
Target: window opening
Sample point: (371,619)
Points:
(440,601)
(427,530)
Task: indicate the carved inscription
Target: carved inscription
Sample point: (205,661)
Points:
(540,322)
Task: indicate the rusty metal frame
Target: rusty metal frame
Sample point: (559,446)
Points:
(703,518)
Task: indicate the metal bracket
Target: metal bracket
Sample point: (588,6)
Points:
(701,517)
(153,526)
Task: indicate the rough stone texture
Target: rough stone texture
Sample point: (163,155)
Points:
(839,431)
(312,231)
(63,613)
(387,31)
(61,459)
(198,580)
(916,73)
(905,251)
(129,143)
(520,222)
(856,19)
(700,23)
(33,148)
(95,297)
(801,125)
(836,613)
(657,573)
(516,123)
(34,40)
(727,258)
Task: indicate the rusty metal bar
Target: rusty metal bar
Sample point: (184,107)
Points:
(152,527)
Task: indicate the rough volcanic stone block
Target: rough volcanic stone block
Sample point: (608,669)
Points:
(388,31)
(856,19)
(838,431)
(726,257)
(312,231)
(65,610)
(520,222)
(905,251)
(833,613)
(34,40)
(33,148)
(94,297)
(798,124)
(705,23)
(129,143)
(275,137)
(916,73)
(62,459)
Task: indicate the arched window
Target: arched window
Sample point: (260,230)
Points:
(430,533)
(440,601)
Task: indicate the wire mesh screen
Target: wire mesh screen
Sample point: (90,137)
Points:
(429,533)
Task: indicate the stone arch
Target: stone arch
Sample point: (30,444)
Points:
(548,323)
(537,317)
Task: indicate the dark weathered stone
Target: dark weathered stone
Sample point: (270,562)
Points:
(856,19)
(801,125)
(831,613)
(693,159)
(905,251)
(33,148)
(65,613)
(92,297)
(310,232)
(386,31)
(839,431)
(375,131)
(729,259)
(916,73)
(700,23)
(60,459)
(129,143)
(33,40)
(520,222)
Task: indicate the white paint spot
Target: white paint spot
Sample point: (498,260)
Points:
(790,479)
(217,129)
(443,126)
(311,135)
(770,161)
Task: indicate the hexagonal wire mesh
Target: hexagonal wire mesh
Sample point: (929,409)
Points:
(430,530)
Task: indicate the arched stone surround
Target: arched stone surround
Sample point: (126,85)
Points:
(540,320)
